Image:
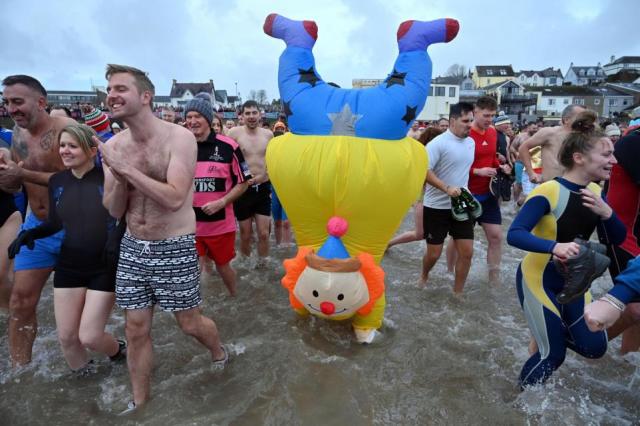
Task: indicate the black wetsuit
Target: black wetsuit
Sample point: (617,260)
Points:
(75,205)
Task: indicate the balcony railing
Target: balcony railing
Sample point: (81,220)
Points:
(527,99)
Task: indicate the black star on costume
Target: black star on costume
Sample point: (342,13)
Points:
(410,114)
(308,76)
(396,78)
(286,106)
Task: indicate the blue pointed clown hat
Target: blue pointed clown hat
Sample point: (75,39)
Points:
(333,248)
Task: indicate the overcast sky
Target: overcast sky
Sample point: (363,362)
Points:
(66,44)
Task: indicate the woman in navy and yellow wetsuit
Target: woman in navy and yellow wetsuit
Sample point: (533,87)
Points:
(554,214)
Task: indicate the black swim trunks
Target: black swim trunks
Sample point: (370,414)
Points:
(255,200)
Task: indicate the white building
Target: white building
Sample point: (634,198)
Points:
(181,93)
(552,100)
(624,63)
(546,77)
(584,76)
(363,83)
(441,97)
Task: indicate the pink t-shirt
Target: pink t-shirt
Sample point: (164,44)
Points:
(220,167)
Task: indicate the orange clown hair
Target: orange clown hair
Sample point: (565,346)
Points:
(372,273)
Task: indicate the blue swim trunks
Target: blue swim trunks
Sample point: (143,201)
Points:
(44,254)
(277,211)
(519,167)
(490,209)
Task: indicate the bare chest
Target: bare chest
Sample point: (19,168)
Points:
(38,152)
(152,162)
(253,147)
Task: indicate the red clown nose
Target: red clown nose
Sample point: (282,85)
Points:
(327,308)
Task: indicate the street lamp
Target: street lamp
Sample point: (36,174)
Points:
(236,89)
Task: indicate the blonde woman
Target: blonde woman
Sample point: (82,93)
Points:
(83,283)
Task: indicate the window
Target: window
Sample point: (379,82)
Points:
(625,102)
(535,77)
(596,101)
(613,102)
(551,102)
(431,91)
(566,101)
(503,72)
(591,72)
(582,72)
(489,72)
(452,92)
(552,80)
(468,86)
(578,101)
(440,91)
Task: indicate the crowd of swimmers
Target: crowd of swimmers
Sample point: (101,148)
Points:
(133,214)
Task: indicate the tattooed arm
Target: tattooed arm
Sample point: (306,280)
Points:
(12,173)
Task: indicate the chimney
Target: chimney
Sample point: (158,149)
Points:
(598,64)
(174,81)
(613,58)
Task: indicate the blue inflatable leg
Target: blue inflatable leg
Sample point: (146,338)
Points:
(418,35)
(294,33)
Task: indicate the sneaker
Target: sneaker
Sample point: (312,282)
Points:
(122,351)
(500,186)
(86,371)
(579,272)
(473,206)
(219,364)
(459,209)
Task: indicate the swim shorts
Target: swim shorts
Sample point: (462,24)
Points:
(45,252)
(164,272)
(220,248)
(99,281)
(437,223)
(255,200)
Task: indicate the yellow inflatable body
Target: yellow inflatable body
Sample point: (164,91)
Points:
(370,182)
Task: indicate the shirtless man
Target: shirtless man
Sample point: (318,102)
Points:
(414,131)
(35,159)
(529,130)
(550,139)
(228,125)
(149,172)
(255,203)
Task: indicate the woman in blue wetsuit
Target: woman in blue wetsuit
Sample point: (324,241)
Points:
(83,284)
(554,214)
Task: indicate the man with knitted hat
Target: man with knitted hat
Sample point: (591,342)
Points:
(612,131)
(502,123)
(221,177)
